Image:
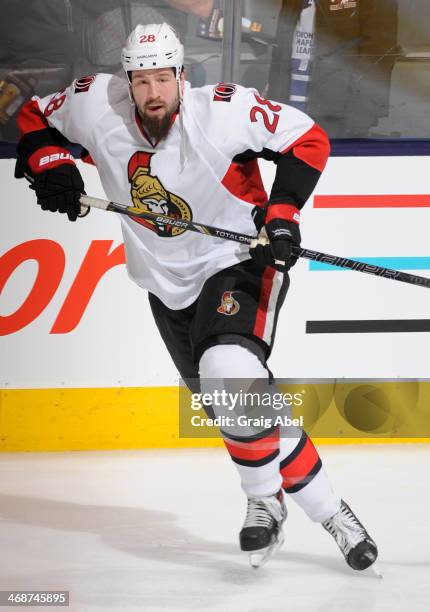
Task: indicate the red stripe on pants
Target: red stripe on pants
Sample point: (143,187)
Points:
(263,304)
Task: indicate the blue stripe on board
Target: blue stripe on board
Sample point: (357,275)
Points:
(396,263)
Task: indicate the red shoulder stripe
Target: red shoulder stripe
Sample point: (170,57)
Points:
(244,182)
(30,118)
(313,147)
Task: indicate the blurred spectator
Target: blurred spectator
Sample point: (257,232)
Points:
(334,59)
(107,24)
(44,44)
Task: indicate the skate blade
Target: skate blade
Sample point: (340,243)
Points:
(258,558)
(373,570)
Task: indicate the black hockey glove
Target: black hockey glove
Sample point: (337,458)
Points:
(278,233)
(59,190)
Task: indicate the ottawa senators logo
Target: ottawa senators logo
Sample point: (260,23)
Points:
(229,306)
(223,92)
(148,194)
(84,84)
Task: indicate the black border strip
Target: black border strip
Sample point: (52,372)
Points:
(368,326)
(8,150)
(340,147)
(376,147)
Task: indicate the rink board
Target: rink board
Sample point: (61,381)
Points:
(147,417)
(82,357)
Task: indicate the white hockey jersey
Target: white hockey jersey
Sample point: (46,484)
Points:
(193,173)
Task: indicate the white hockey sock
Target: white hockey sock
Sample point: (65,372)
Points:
(257,461)
(265,464)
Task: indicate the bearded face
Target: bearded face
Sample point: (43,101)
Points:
(156,95)
(158,127)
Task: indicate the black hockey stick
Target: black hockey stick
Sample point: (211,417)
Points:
(208,230)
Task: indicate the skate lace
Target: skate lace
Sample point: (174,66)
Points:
(262,511)
(346,529)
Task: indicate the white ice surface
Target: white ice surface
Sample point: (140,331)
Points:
(158,530)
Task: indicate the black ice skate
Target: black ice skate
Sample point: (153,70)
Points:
(261,533)
(357,546)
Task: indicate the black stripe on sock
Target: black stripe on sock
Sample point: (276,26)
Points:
(295,452)
(256,462)
(258,436)
(307,479)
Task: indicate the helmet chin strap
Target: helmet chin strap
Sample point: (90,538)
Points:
(182,112)
(130,95)
(179,82)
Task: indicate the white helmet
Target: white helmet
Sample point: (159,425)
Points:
(153,46)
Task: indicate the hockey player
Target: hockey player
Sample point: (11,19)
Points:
(194,153)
